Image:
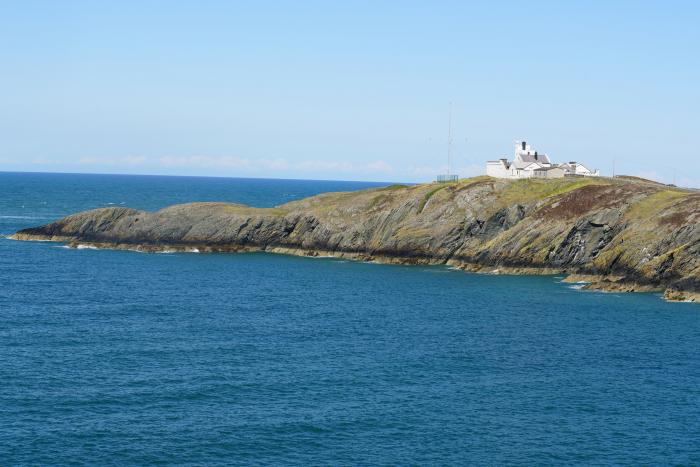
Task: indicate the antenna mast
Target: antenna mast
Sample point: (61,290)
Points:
(449,141)
(448,178)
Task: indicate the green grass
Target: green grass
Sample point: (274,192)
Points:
(654,204)
(430,194)
(477,179)
(532,189)
(396,186)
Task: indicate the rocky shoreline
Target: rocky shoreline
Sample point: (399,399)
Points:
(615,235)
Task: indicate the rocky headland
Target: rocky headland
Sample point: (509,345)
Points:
(614,234)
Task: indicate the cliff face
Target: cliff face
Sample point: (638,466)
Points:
(617,234)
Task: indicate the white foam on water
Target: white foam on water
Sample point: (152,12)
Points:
(563,281)
(193,250)
(85,247)
(577,286)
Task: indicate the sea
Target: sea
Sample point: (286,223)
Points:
(127,358)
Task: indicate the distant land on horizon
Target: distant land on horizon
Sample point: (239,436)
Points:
(234,177)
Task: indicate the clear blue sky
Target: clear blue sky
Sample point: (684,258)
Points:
(347,90)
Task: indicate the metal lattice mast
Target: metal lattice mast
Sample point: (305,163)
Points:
(449,141)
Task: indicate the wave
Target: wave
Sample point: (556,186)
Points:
(78,247)
(564,281)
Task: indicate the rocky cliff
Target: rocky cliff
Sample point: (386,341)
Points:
(628,235)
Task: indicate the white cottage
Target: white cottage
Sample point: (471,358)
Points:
(574,168)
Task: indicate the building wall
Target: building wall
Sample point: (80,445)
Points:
(581,170)
(556,172)
(497,169)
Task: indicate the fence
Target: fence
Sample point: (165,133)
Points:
(447,178)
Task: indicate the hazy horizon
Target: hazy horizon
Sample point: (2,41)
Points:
(281,178)
(353,91)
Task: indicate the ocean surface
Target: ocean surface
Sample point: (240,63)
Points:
(125,358)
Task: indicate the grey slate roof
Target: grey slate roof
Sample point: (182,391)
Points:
(542,158)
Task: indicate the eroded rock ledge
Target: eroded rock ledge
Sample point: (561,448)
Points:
(622,235)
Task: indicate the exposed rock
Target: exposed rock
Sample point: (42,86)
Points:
(622,234)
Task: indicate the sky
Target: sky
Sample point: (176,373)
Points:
(352,90)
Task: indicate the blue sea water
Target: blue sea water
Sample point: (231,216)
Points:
(116,357)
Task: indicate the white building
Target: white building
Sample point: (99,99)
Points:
(529,163)
(579,169)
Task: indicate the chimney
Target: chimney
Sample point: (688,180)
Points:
(524,144)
